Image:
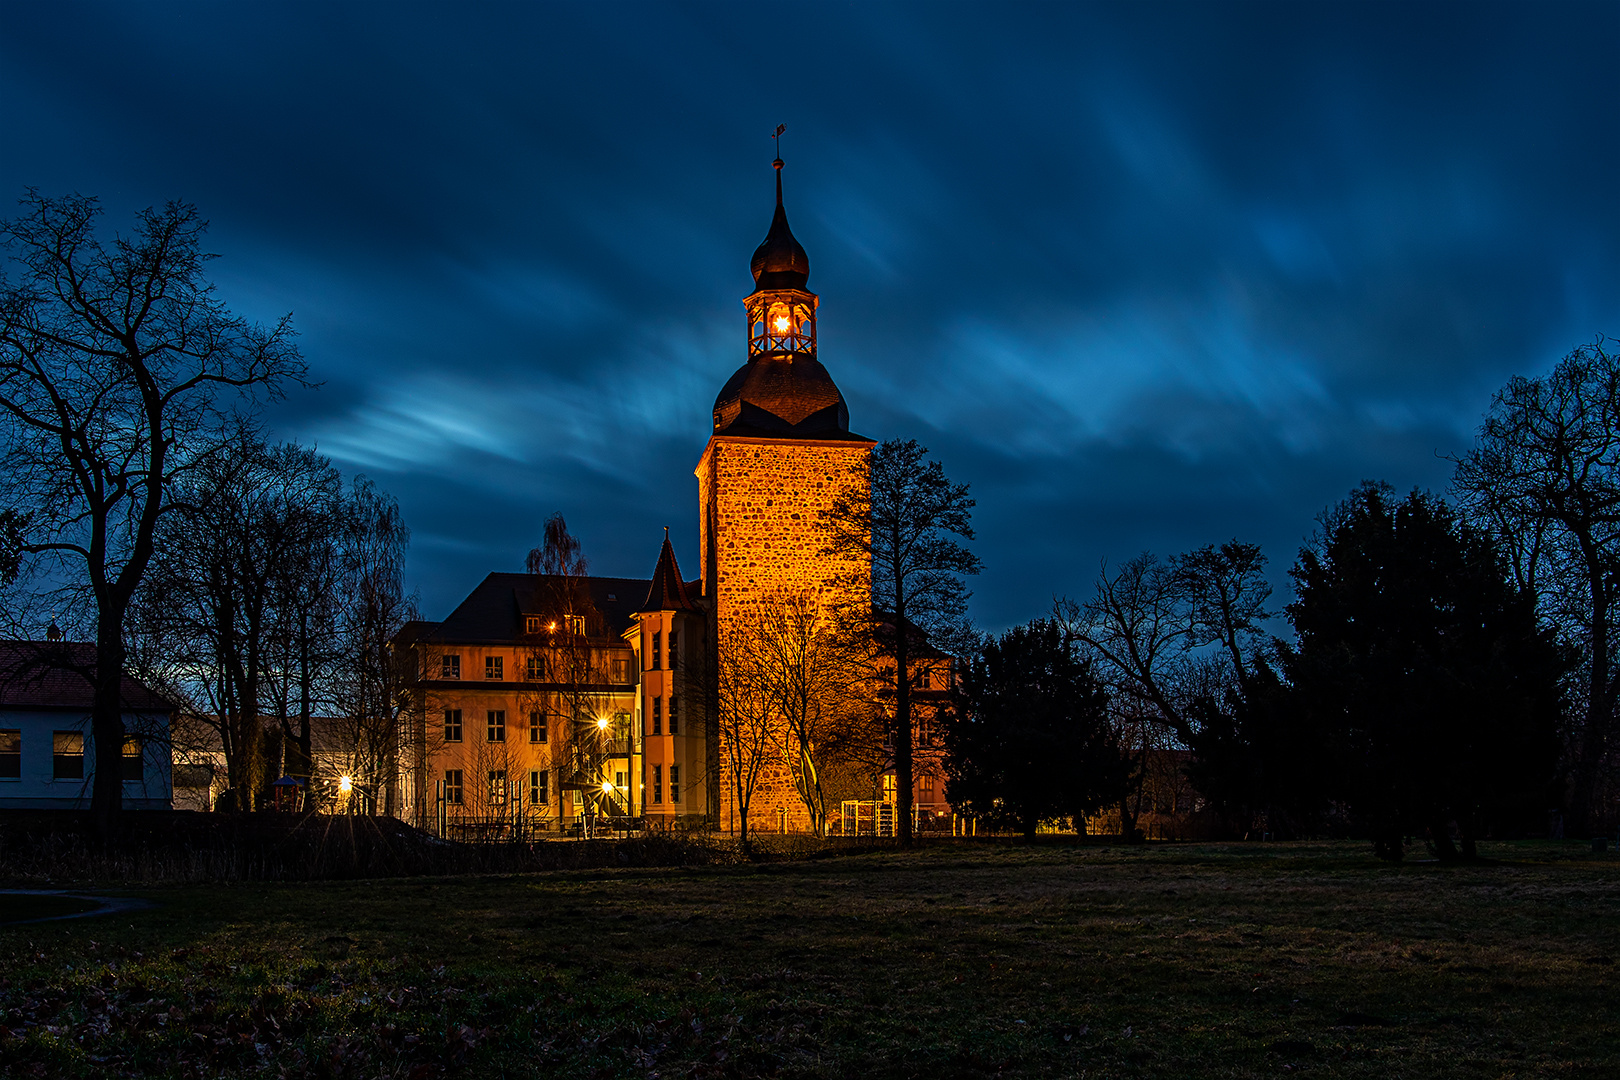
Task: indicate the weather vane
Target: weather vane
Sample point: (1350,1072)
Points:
(776,139)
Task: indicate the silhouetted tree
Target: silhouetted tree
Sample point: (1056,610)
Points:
(1422,667)
(900,512)
(1544,481)
(118,369)
(1028,738)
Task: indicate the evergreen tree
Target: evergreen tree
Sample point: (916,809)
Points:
(1422,669)
(1028,739)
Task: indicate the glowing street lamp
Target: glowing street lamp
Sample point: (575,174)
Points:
(345,784)
(607,787)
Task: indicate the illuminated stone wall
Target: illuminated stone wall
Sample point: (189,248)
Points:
(762,537)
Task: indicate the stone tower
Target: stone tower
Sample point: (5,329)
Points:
(780,452)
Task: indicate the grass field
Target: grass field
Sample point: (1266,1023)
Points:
(960,960)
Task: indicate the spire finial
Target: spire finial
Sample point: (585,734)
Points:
(666,533)
(776,138)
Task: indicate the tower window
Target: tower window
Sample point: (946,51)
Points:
(658,716)
(674,716)
(658,785)
(655,642)
(674,650)
(674,783)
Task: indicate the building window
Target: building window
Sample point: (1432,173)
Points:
(658,784)
(531,624)
(451,666)
(656,645)
(452,786)
(618,780)
(11,754)
(927,784)
(452,725)
(131,760)
(674,783)
(493,666)
(576,625)
(497,725)
(621,671)
(537,667)
(539,787)
(674,648)
(497,787)
(658,716)
(537,727)
(67,755)
(674,716)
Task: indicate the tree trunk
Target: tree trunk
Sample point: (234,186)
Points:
(902,719)
(107,729)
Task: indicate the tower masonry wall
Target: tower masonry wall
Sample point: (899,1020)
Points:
(762,538)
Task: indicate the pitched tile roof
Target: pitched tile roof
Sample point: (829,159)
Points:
(56,674)
(494,611)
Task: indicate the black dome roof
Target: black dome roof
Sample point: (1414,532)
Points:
(782,395)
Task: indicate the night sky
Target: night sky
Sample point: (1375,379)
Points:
(1147,276)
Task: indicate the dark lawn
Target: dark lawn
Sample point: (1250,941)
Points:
(957,961)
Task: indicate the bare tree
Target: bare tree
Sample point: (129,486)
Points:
(368,691)
(743,722)
(118,367)
(569,649)
(1544,480)
(898,513)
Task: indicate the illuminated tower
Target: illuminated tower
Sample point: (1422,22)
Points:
(780,452)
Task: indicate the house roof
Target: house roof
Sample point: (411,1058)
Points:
(494,611)
(57,674)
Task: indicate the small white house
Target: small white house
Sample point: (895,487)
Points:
(47,750)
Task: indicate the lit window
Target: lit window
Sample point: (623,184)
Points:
(531,624)
(451,666)
(493,667)
(655,641)
(658,785)
(452,786)
(497,725)
(537,667)
(537,726)
(497,787)
(67,755)
(621,671)
(674,716)
(539,787)
(11,754)
(131,760)
(576,625)
(674,783)
(452,725)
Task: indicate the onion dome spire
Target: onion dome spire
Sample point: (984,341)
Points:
(780,262)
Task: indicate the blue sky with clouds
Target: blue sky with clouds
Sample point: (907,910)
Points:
(1146,275)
